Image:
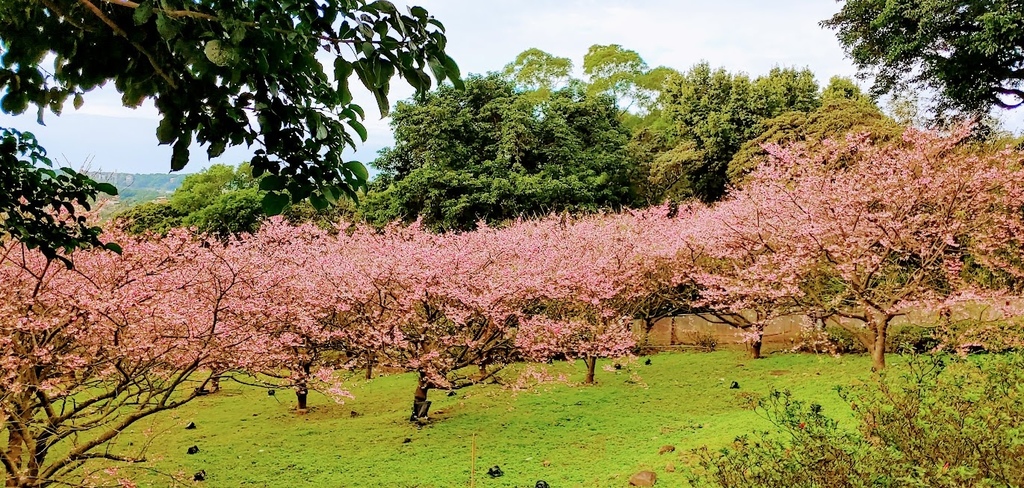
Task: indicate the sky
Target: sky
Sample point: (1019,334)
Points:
(485,35)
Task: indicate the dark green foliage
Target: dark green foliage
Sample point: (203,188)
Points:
(943,421)
(707,115)
(981,336)
(222,201)
(843,341)
(844,110)
(970,51)
(43,207)
(156,217)
(912,339)
(231,213)
(491,153)
(226,73)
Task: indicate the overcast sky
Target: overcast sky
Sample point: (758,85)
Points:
(484,35)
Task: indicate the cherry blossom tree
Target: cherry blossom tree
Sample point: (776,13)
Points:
(433,304)
(289,310)
(744,267)
(588,276)
(878,230)
(88,352)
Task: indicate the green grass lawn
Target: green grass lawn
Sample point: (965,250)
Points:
(566,434)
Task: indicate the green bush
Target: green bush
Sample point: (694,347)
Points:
(912,339)
(843,341)
(941,422)
(973,336)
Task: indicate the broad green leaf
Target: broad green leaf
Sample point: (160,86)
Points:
(272,183)
(107,188)
(166,132)
(274,203)
(143,12)
(359,128)
(216,149)
(179,156)
(318,201)
(359,170)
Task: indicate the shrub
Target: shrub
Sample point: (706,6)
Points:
(912,339)
(844,341)
(968,336)
(703,341)
(945,422)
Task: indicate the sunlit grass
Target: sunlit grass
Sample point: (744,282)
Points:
(565,434)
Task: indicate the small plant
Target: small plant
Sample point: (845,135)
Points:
(703,341)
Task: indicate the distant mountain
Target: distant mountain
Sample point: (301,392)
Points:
(137,188)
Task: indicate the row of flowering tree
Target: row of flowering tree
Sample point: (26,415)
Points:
(86,352)
(848,229)
(859,232)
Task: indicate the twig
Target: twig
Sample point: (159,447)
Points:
(169,13)
(119,31)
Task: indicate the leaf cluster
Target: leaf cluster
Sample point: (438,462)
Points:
(42,207)
(970,51)
(944,421)
(226,73)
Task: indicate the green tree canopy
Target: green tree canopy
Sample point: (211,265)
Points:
(844,110)
(970,51)
(538,71)
(221,200)
(490,153)
(269,74)
(707,115)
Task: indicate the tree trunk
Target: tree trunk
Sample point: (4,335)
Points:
(14,452)
(880,329)
(757,333)
(369,367)
(302,388)
(420,405)
(591,363)
(755,349)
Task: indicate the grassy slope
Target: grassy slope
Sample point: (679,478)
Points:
(590,436)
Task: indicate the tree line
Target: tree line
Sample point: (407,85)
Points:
(533,140)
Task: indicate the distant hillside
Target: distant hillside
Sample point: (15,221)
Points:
(137,188)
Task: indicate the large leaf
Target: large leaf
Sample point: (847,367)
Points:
(275,202)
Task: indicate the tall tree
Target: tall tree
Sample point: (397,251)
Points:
(622,74)
(488,152)
(708,114)
(844,110)
(539,72)
(970,51)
